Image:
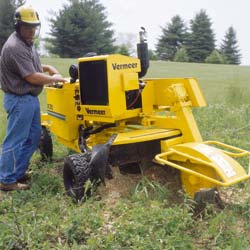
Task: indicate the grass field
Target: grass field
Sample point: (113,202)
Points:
(139,212)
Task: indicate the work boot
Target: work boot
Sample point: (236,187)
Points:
(25,178)
(13,186)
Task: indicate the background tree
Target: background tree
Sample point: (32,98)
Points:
(127,39)
(201,39)
(81,27)
(229,47)
(7,11)
(181,55)
(215,58)
(173,37)
(123,50)
(152,55)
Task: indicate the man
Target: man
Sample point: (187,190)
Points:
(22,78)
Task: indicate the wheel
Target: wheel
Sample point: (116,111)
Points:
(76,172)
(45,145)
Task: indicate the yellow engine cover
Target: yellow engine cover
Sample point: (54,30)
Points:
(104,82)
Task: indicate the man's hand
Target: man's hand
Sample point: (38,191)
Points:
(49,69)
(58,78)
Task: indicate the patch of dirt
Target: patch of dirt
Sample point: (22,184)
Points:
(164,175)
(168,177)
(234,196)
(122,184)
(119,186)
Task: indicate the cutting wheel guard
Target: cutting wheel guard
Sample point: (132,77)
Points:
(185,156)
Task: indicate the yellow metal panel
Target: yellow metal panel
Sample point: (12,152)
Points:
(141,135)
(61,111)
(148,98)
(129,81)
(196,96)
(181,119)
(165,95)
(44,119)
(119,69)
(166,144)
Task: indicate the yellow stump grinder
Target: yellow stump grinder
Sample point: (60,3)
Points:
(112,116)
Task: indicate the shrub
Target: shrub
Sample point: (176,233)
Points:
(215,58)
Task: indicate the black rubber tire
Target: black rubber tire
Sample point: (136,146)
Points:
(76,172)
(45,145)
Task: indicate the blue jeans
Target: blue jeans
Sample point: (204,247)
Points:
(22,137)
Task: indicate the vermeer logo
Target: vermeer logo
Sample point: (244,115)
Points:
(124,66)
(95,111)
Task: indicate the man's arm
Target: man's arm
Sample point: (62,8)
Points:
(42,79)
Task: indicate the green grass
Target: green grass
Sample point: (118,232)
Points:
(151,215)
(213,79)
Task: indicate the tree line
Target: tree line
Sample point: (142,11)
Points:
(7,10)
(82,26)
(196,43)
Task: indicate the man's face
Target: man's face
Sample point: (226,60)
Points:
(28,32)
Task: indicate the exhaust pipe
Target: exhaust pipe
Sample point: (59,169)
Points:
(142,52)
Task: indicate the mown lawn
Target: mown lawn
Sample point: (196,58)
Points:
(139,212)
